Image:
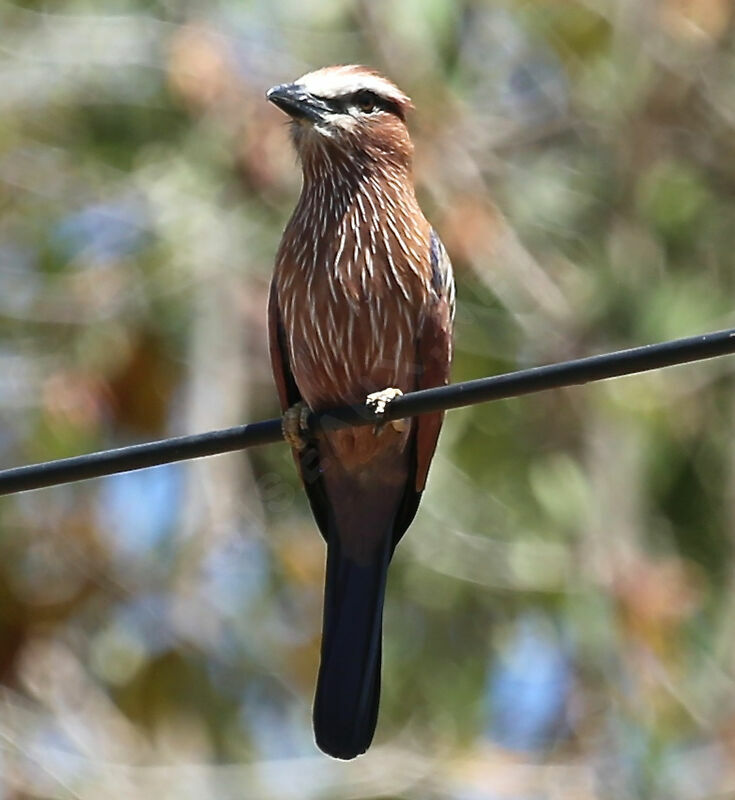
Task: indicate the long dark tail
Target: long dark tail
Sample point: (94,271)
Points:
(348,686)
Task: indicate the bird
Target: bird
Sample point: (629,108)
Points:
(361,309)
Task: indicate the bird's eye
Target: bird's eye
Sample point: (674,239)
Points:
(366,102)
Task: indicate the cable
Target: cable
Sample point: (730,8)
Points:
(512,384)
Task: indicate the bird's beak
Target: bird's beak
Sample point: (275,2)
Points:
(298,103)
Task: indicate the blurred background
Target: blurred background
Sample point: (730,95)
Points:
(561,617)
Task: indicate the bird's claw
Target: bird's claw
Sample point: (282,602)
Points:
(378,402)
(295,425)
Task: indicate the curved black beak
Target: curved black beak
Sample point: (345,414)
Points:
(298,103)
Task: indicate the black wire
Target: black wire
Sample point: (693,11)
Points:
(512,384)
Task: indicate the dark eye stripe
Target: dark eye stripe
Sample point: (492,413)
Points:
(343,103)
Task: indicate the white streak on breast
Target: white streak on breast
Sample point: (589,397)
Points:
(392,265)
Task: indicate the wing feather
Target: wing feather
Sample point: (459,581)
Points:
(308,460)
(434,354)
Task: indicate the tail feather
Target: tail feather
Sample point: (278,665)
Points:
(348,685)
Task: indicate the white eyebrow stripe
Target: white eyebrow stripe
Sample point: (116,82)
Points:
(333,82)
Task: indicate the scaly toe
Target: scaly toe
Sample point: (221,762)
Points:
(294,425)
(379,402)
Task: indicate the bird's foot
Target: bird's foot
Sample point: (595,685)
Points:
(378,402)
(295,425)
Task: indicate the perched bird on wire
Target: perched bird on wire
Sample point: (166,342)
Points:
(361,307)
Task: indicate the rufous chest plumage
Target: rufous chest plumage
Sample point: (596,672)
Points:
(353,280)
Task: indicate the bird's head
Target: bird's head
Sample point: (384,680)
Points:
(352,110)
